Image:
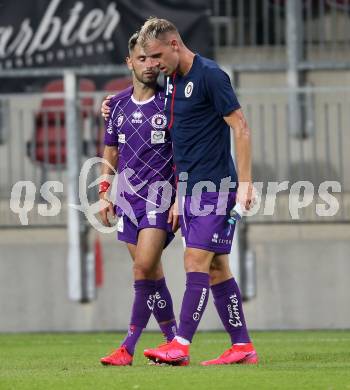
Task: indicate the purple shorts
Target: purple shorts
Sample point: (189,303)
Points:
(205,229)
(128,230)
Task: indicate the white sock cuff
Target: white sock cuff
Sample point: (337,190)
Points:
(182,341)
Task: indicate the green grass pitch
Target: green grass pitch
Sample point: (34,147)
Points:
(288,360)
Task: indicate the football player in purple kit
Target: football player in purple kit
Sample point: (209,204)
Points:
(137,143)
(201,107)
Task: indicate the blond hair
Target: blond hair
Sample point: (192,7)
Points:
(133,41)
(155,28)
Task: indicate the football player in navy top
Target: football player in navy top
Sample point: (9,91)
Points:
(201,107)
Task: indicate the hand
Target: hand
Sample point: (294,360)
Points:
(173,217)
(107,209)
(246,195)
(105,110)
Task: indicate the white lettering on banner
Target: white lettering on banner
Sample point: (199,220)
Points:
(97,24)
(49,27)
(68,37)
(22,40)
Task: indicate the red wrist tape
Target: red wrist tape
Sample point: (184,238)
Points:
(103,186)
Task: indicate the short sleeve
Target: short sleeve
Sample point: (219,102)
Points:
(111,136)
(220,91)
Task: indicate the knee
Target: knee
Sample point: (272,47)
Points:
(195,263)
(219,270)
(158,272)
(215,272)
(142,270)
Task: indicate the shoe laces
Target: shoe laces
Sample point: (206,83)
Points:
(163,345)
(233,348)
(228,351)
(121,350)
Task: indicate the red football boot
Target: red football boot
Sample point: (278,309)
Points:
(237,354)
(120,357)
(172,353)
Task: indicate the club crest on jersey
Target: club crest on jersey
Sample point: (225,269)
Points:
(136,117)
(120,120)
(121,138)
(110,127)
(157,137)
(159,121)
(188,89)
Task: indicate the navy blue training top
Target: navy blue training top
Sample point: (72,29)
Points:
(195,106)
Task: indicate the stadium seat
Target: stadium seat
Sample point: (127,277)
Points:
(117,85)
(111,87)
(48,145)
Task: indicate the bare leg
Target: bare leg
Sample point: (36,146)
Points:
(148,253)
(219,269)
(147,265)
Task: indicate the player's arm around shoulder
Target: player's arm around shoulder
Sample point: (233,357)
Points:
(105,106)
(242,135)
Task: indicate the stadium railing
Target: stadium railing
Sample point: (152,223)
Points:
(316,152)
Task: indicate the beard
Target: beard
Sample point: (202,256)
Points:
(147,80)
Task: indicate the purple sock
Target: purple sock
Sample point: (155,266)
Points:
(163,310)
(228,302)
(141,312)
(194,303)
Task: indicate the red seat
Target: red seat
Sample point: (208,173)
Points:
(111,88)
(117,85)
(49,143)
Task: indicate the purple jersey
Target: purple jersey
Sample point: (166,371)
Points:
(139,130)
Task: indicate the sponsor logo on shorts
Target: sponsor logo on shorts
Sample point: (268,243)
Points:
(152,214)
(225,242)
(235,319)
(218,240)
